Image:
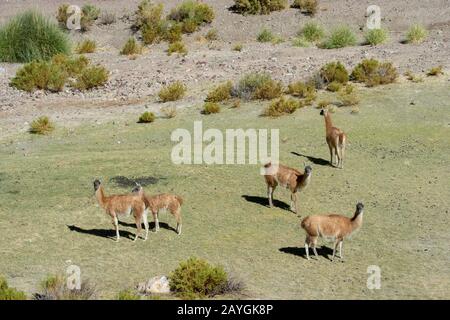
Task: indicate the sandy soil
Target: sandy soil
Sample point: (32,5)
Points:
(133,83)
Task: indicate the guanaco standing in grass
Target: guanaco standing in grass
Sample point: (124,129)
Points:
(122,205)
(289,178)
(333,226)
(164,201)
(336,140)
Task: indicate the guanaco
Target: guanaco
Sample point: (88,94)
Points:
(336,140)
(332,226)
(122,205)
(287,177)
(159,202)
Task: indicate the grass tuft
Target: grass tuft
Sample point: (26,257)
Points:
(147,117)
(172,92)
(42,125)
(131,47)
(86,46)
(416,34)
(340,37)
(210,108)
(376,36)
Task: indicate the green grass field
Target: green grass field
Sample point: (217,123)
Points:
(397,164)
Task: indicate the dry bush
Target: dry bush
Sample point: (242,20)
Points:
(348,96)
(334,86)
(309,7)
(412,77)
(220,93)
(435,71)
(55,288)
(282,106)
(334,72)
(86,46)
(301,89)
(191,15)
(258,6)
(212,35)
(172,92)
(107,18)
(91,77)
(131,47)
(238,47)
(147,117)
(177,47)
(372,72)
(169,112)
(258,86)
(210,108)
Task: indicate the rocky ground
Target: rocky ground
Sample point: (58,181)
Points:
(134,83)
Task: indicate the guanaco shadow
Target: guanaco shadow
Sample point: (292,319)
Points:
(265,202)
(318,161)
(151,225)
(296,251)
(104,233)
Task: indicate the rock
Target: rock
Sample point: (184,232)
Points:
(158,284)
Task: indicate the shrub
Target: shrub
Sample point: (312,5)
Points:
(265,36)
(301,89)
(322,104)
(89,13)
(312,32)
(282,106)
(147,117)
(40,75)
(372,72)
(131,47)
(172,92)
(340,37)
(177,47)
(149,21)
(7,293)
(92,77)
(55,288)
(220,93)
(72,65)
(86,46)
(128,295)
(334,72)
(169,111)
(196,278)
(300,42)
(348,96)
(258,86)
(412,77)
(376,36)
(435,71)
(191,15)
(41,125)
(30,36)
(416,34)
(212,35)
(210,107)
(238,47)
(309,7)
(334,86)
(259,6)
(107,18)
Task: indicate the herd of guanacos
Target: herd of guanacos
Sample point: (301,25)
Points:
(333,226)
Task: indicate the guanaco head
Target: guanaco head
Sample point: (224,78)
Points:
(308,170)
(137,188)
(97,184)
(359,208)
(323,112)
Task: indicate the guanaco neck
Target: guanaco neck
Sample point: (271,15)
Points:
(304,181)
(357,220)
(100,195)
(328,124)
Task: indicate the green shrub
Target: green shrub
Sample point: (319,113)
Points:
(92,77)
(128,295)
(72,65)
(42,125)
(301,89)
(7,293)
(171,32)
(196,278)
(147,117)
(86,46)
(416,34)
(191,15)
(30,36)
(172,92)
(372,72)
(54,287)
(312,32)
(435,71)
(210,107)
(334,86)
(220,93)
(131,47)
(282,106)
(238,47)
(300,42)
(259,6)
(265,36)
(177,47)
(376,36)
(309,7)
(258,86)
(40,75)
(334,72)
(340,37)
(149,21)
